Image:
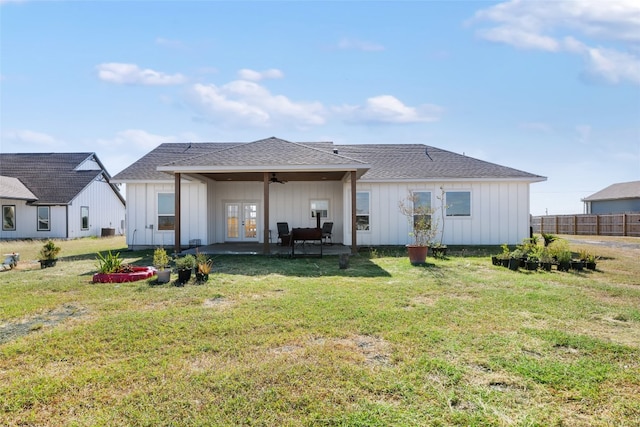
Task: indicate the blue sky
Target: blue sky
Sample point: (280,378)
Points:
(549,87)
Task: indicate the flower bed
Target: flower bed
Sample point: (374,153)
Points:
(137,273)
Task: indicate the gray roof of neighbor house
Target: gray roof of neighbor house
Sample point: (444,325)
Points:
(621,190)
(384,162)
(12,188)
(53,177)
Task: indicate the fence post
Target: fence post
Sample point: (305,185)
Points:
(556,232)
(541,224)
(575,225)
(624,224)
(597,225)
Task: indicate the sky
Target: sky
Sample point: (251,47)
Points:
(548,87)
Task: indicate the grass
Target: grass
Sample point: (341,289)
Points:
(271,341)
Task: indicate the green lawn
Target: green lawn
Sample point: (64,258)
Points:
(277,342)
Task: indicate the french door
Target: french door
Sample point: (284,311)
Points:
(241,222)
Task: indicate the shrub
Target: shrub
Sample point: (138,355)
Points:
(111,263)
(187,262)
(49,250)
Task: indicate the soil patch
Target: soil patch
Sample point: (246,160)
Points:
(13,330)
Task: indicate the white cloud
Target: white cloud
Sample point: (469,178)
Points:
(138,139)
(120,73)
(256,76)
(353,44)
(389,109)
(246,102)
(606,34)
(537,126)
(25,136)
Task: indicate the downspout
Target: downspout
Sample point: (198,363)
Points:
(354,232)
(177,213)
(66,208)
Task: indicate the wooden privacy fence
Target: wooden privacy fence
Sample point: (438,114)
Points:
(627,224)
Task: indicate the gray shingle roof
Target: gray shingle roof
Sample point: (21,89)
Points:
(621,190)
(417,161)
(146,168)
(268,153)
(12,188)
(50,176)
(387,162)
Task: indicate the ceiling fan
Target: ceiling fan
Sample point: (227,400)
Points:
(274,178)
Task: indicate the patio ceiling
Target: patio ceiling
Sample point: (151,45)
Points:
(282,176)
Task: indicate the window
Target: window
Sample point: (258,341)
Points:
(421,208)
(362,211)
(43,218)
(458,203)
(321,206)
(166,211)
(84,217)
(9,218)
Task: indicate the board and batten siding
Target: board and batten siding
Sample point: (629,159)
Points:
(27,222)
(106,210)
(499,213)
(289,202)
(142,220)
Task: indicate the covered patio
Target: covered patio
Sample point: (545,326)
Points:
(249,248)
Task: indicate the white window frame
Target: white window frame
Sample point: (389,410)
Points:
(448,206)
(171,214)
(415,217)
(325,213)
(48,219)
(82,208)
(368,214)
(5,209)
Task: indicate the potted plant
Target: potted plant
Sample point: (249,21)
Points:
(48,254)
(546,260)
(590,261)
(419,219)
(532,262)
(503,258)
(161,263)
(514,259)
(204,265)
(559,250)
(564,260)
(185,266)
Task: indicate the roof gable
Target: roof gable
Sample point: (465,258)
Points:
(52,177)
(272,153)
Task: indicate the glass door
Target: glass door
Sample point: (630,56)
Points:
(241,222)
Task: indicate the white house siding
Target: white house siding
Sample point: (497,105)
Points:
(106,210)
(287,203)
(499,213)
(142,220)
(27,222)
(88,165)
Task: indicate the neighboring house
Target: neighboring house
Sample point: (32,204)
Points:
(623,197)
(57,195)
(234,192)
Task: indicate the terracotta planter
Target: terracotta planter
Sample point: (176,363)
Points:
(417,254)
